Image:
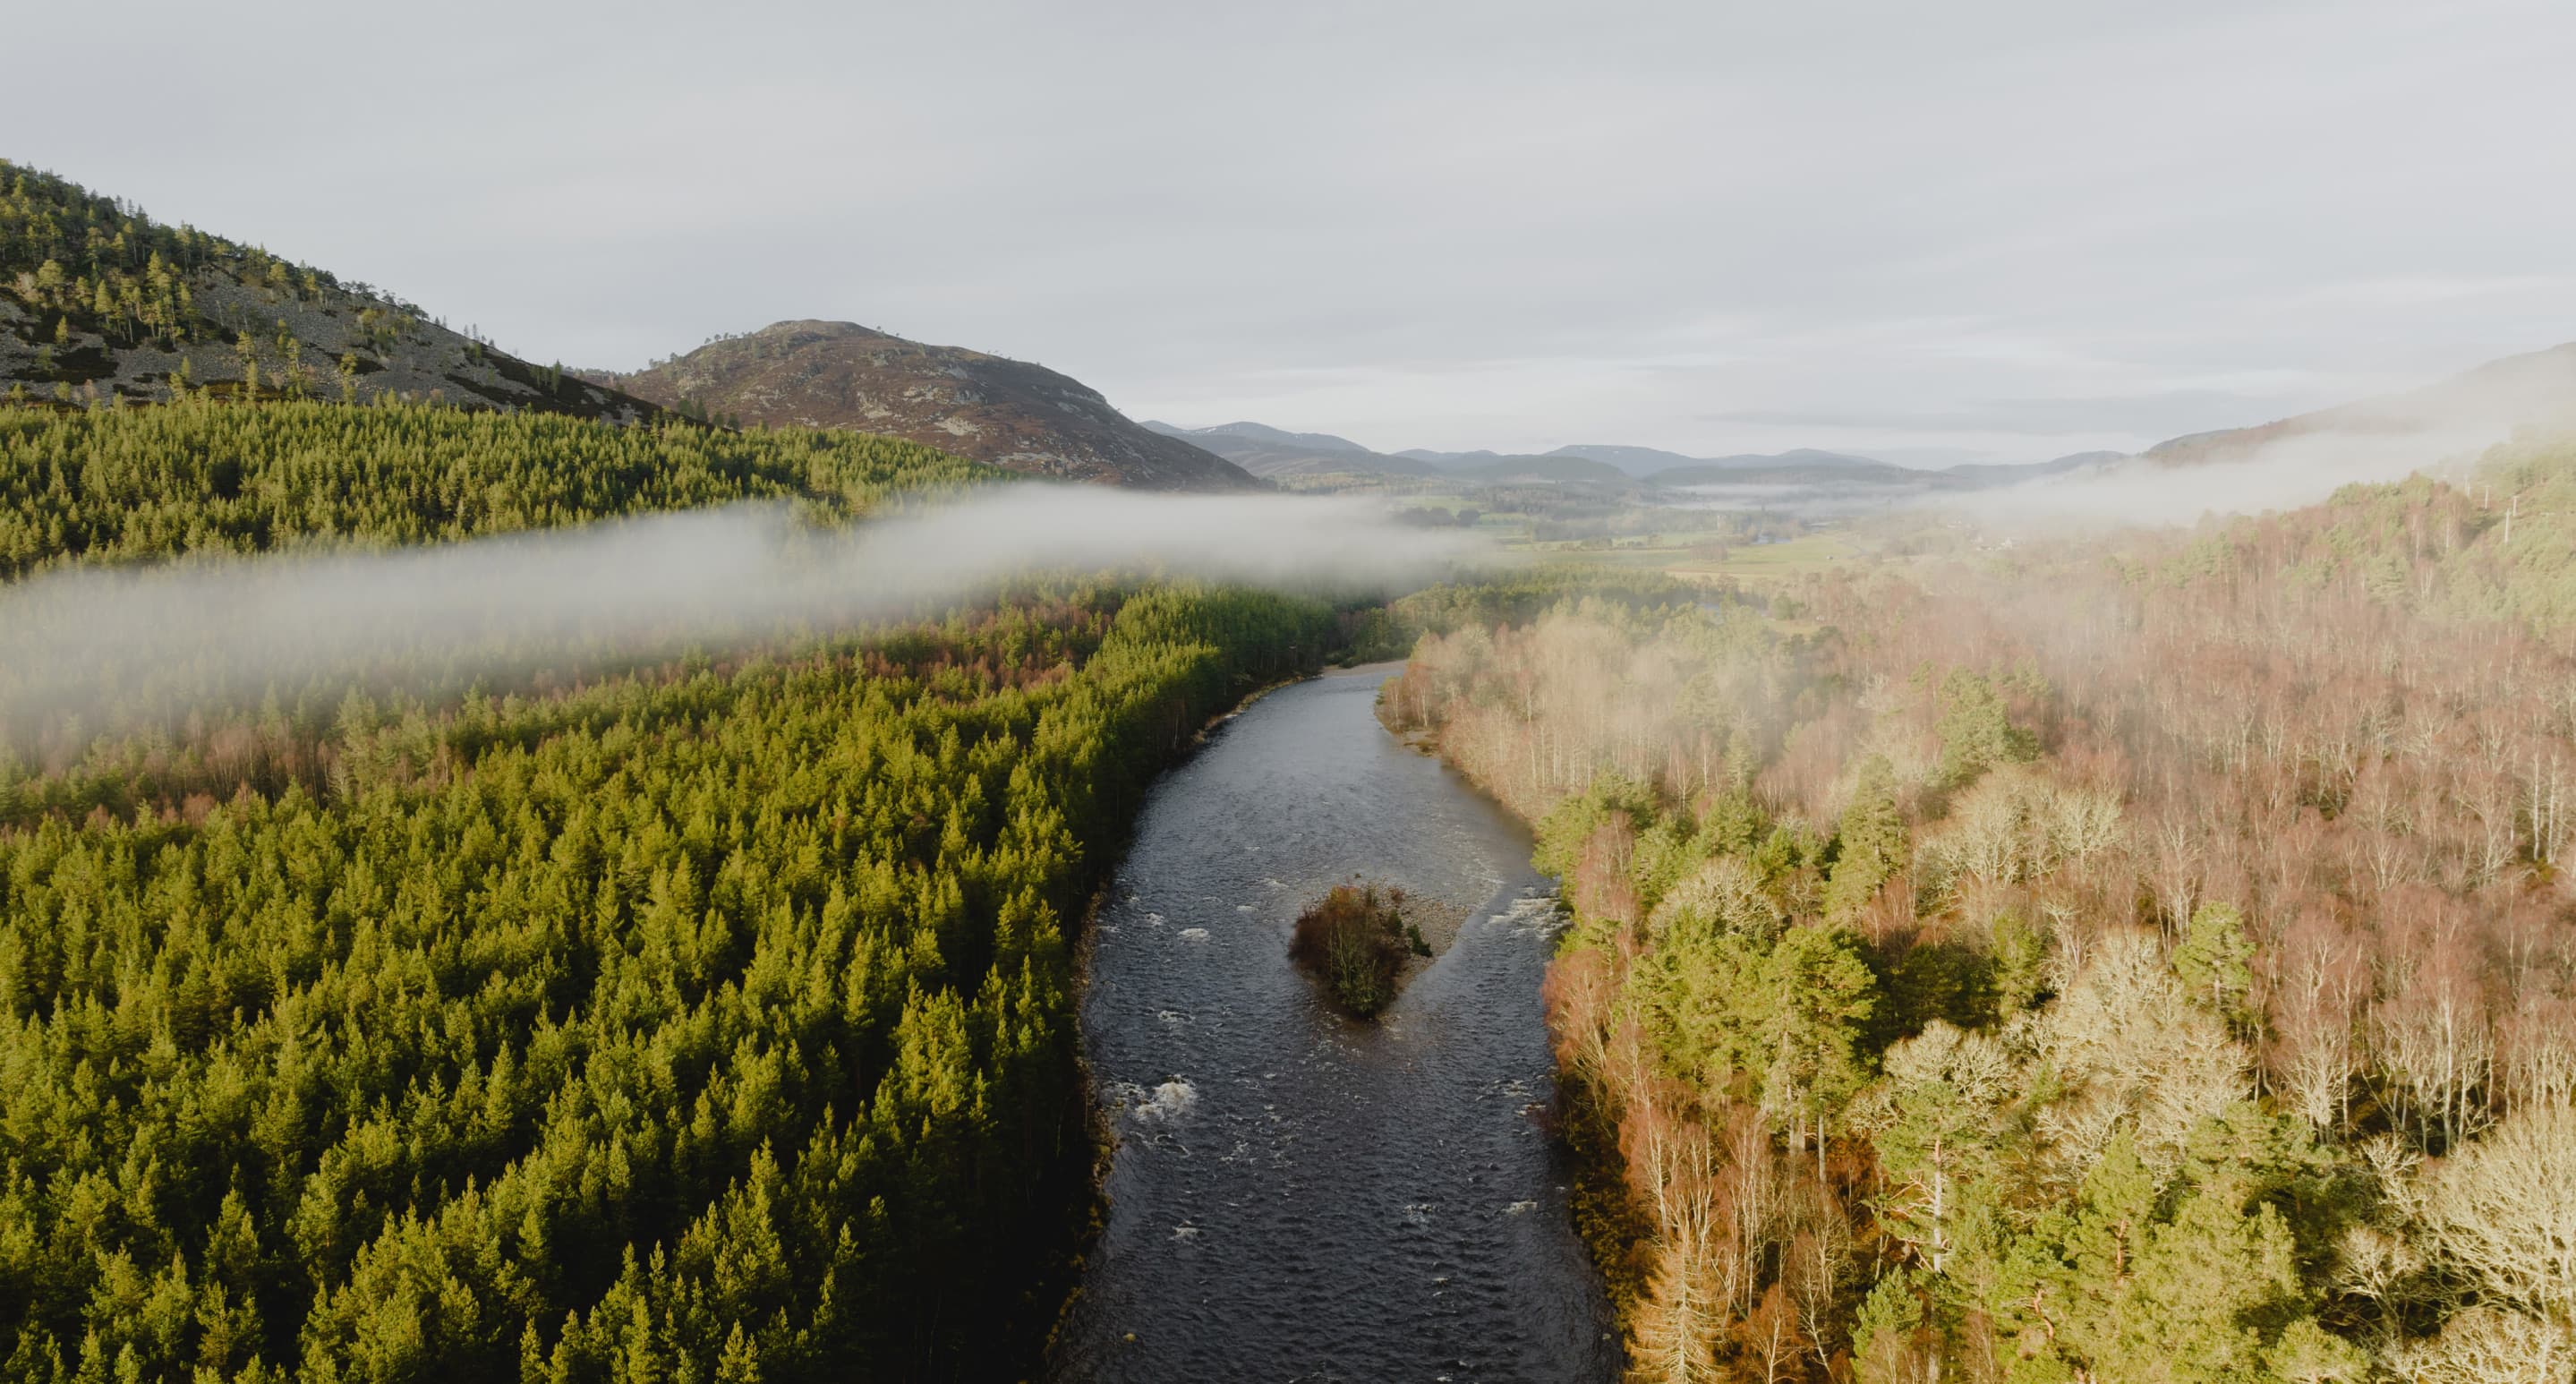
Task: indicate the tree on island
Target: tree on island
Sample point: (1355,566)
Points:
(1354,941)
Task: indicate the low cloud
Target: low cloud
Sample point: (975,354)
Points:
(2157,415)
(209,631)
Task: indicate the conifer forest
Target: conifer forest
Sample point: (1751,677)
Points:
(1649,693)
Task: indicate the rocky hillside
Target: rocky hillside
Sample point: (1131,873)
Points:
(100,302)
(1006,412)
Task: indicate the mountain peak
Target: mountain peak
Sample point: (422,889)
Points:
(813,373)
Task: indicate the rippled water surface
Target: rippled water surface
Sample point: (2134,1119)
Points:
(1297,1196)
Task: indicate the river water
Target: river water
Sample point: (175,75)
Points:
(1296,1195)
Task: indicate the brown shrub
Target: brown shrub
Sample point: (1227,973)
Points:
(1354,941)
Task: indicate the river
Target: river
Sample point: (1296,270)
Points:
(1296,1195)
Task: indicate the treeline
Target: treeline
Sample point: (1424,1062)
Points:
(699,1021)
(80,261)
(127,483)
(2145,968)
(197,733)
(1389,630)
(99,303)
(2498,545)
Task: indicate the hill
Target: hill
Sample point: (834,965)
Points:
(1264,433)
(1802,457)
(1270,452)
(2468,411)
(1836,471)
(1801,467)
(1485,465)
(1652,462)
(98,301)
(1004,412)
(1451,461)
(1636,461)
(1989,473)
(1543,468)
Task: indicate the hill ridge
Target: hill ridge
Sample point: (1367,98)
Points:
(820,373)
(2485,400)
(100,303)
(1271,452)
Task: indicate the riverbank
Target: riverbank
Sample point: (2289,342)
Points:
(1094,1124)
(1291,1192)
(1604,1209)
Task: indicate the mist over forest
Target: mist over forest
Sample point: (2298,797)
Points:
(1681,694)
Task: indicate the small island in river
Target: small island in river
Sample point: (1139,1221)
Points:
(1355,941)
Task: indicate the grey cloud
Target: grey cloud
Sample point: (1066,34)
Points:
(1680,209)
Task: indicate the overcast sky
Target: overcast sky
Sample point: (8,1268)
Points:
(1927,232)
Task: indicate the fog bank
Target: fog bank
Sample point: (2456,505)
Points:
(2300,461)
(217,629)
(2283,475)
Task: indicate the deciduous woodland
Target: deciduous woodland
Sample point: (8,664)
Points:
(693,1021)
(2144,967)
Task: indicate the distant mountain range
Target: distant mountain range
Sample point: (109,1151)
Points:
(1278,452)
(1665,467)
(1275,452)
(1799,464)
(99,303)
(1990,473)
(2462,413)
(1010,413)
(1550,466)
